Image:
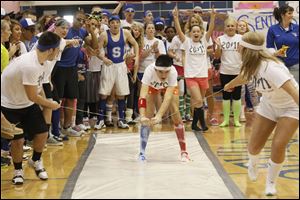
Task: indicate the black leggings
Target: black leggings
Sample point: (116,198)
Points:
(236,93)
(133,95)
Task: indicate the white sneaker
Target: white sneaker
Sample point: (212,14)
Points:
(252,172)
(26,148)
(185,157)
(38,168)
(142,157)
(100,125)
(18,178)
(82,127)
(122,124)
(243,118)
(53,142)
(71,132)
(270,189)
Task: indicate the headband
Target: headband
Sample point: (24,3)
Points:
(47,47)
(251,46)
(162,68)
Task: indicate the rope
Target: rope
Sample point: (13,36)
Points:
(98,114)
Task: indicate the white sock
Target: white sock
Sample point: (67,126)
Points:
(273,171)
(109,112)
(129,113)
(253,159)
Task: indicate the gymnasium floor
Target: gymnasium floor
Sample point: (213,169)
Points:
(221,150)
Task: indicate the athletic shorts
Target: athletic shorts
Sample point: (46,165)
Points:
(268,111)
(180,70)
(115,74)
(202,83)
(30,119)
(65,80)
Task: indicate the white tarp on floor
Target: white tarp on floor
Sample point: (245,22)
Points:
(113,171)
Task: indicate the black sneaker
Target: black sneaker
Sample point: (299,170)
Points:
(205,129)
(196,128)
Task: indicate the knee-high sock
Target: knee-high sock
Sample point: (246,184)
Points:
(102,107)
(202,118)
(121,109)
(196,117)
(181,106)
(55,122)
(226,113)
(273,171)
(144,135)
(109,112)
(179,129)
(188,104)
(236,108)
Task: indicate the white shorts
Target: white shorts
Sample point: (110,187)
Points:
(268,111)
(115,74)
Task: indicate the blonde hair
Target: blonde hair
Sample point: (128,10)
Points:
(247,25)
(252,58)
(228,20)
(140,39)
(188,26)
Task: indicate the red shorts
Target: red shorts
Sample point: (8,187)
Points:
(163,91)
(201,82)
(180,70)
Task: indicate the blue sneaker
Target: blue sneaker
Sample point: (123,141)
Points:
(142,157)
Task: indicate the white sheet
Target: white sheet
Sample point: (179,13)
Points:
(113,171)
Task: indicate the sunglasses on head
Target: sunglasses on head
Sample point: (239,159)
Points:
(96,13)
(96,17)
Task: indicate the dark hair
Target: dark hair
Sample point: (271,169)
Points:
(281,11)
(61,22)
(172,27)
(48,38)
(164,61)
(145,27)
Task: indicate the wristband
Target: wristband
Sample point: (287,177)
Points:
(142,103)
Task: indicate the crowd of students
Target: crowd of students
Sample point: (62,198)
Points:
(60,79)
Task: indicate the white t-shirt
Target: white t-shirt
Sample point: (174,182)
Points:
(49,65)
(24,70)
(124,23)
(210,43)
(151,58)
(195,65)
(95,63)
(175,46)
(270,77)
(151,79)
(230,59)
(22,48)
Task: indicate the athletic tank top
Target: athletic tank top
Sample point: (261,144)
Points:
(115,50)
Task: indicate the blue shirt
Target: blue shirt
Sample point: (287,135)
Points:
(115,50)
(30,44)
(278,36)
(70,55)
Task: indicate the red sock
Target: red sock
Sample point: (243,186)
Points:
(179,129)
